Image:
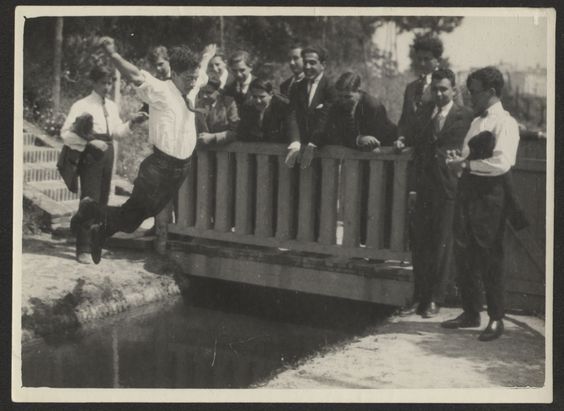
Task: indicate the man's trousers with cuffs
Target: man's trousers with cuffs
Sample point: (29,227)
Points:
(95,182)
(159,178)
(479,230)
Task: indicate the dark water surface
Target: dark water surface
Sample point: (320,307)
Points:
(228,336)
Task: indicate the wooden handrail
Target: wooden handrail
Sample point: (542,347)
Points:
(244,193)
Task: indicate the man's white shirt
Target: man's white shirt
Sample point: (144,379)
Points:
(172,127)
(92,104)
(506,132)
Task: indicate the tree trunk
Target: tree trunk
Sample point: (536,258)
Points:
(57,59)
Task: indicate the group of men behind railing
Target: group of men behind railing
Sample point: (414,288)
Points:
(462,159)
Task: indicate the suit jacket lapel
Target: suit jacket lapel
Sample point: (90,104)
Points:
(318,92)
(450,119)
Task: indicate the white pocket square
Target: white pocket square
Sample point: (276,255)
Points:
(319,106)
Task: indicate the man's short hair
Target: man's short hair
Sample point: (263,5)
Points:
(348,81)
(429,43)
(241,55)
(489,77)
(444,73)
(98,73)
(183,59)
(156,53)
(261,84)
(296,45)
(319,50)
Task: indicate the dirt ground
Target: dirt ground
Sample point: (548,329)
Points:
(404,352)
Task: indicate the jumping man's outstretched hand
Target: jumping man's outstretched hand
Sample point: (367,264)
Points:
(107,44)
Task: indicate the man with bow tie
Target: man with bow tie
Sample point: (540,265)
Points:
(444,125)
(482,204)
(97,159)
(310,101)
(172,131)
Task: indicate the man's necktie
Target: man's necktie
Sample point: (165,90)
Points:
(437,126)
(309,92)
(106,115)
(189,104)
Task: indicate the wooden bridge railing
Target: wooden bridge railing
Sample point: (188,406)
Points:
(348,203)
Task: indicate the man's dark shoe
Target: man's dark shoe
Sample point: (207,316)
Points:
(464,320)
(431,310)
(413,308)
(492,331)
(88,209)
(96,242)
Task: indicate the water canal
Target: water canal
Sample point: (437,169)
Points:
(220,336)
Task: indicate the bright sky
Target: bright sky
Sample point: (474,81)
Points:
(482,41)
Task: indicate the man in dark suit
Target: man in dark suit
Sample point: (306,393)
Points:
(357,119)
(296,64)
(481,205)
(241,67)
(263,117)
(444,128)
(310,102)
(428,51)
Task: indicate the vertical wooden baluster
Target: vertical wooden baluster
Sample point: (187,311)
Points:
(187,197)
(286,210)
(224,192)
(351,169)
(204,204)
(376,202)
(399,206)
(307,203)
(265,197)
(329,191)
(244,195)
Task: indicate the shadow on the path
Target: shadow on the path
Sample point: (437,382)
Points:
(45,247)
(517,359)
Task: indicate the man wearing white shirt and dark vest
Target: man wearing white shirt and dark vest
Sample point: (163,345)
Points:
(481,205)
(172,131)
(444,128)
(96,163)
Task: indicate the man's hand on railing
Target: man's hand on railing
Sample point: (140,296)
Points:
(307,156)
(293,154)
(367,143)
(399,144)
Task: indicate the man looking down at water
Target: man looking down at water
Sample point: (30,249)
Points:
(172,131)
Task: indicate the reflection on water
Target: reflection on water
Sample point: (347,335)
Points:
(232,336)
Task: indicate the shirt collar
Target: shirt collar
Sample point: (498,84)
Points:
(317,79)
(446,108)
(247,81)
(97,97)
(495,108)
(299,77)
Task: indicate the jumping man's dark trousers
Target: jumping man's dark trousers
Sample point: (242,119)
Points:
(160,176)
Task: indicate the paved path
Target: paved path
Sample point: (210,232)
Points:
(414,353)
